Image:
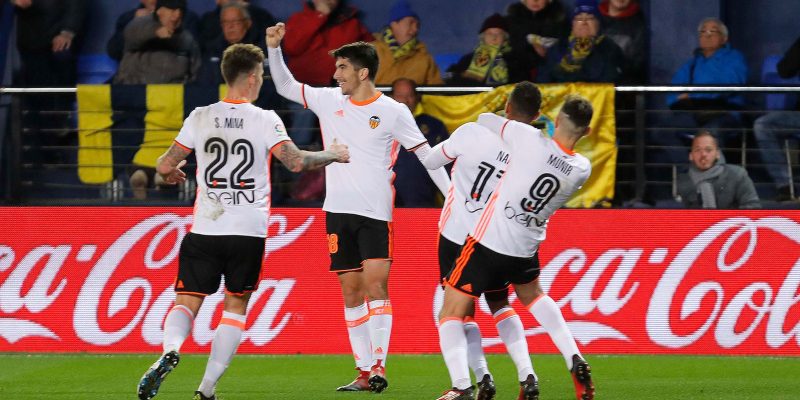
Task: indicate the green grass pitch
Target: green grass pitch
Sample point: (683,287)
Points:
(89,376)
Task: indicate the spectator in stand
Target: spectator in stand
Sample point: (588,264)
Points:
(711,183)
(534,27)
(490,64)
(400,53)
(586,56)
(237,27)
(116,45)
(412,188)
(48,41)
(322,26)
(158,49)
(772,129)
(713,63)
(210,29)
(623,22)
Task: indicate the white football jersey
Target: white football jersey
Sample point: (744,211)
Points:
(540,178)
(481,158)
(373,130)
(232,143)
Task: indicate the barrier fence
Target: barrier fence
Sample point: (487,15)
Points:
(99,279)
(42,164)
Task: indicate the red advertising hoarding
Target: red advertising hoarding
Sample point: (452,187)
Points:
(100,279)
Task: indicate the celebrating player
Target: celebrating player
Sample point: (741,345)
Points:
(502,247)
(232,140)
(359,196)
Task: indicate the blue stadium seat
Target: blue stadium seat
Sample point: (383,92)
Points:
(769,76)
(445,60)
(95,68)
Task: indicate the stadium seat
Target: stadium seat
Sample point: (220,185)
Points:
(769,76)
(445,60)
(95,68)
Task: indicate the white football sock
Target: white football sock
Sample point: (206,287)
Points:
(511,331)
(358,331)
(477,361)
(223,347)
(546,311)
(177,326)
(453,343)
(380,329)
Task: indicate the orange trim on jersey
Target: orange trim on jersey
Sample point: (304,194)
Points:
(446,155)
(447,210)
(394,152)
(367,101)
(192,293)
(188,150)
(382,310)
(303,95)
(234,101)
(483,223)
(535,300)
(505,315)
(355,323)
(184,310)
(564,149)
(503,128)
(447,319)
(413,149)
(232,322)
(461,291)
(461,261)
(276,145)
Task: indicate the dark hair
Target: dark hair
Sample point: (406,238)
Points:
(525,99)
(704,132)
(578,110)
(361,55)
(240,59)
(410,82)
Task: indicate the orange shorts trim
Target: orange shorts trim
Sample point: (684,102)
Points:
(192,293)
(461,291)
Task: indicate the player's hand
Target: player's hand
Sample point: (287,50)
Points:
(22,3)
(341,152)
(176,175)
(164,32)
(275,35)
(62,42)
(141,12)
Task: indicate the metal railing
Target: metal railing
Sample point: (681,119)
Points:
(637,109)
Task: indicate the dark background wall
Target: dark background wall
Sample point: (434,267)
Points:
(758,27)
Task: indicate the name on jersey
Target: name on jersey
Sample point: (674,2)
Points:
(229,123)
(560,164)
(233,197)
(502,157)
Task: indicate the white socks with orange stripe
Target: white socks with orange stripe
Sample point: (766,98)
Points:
(177,326)
(358,331)
(546,311)
(223,347)
(453,343)
(477,361)
(380,329)
(511,331)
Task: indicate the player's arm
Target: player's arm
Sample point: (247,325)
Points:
(438,174)
(301,160)
(170,163)
(285,83)
(437,157)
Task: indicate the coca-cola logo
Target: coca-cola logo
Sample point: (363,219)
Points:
(770,307)
(166,232)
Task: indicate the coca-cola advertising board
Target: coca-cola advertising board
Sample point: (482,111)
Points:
(99,279)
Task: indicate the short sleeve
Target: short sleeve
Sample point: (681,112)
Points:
(275,128)
(186,136)
(406,131)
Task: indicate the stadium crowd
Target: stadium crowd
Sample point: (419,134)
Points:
(543,41)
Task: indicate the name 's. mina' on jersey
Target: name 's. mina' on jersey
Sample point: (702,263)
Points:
(232,143)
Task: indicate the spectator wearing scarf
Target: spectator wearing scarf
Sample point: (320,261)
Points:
(586,56)
(400,53)
(491,63)
(711,183)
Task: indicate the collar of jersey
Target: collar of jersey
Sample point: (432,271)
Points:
(232,101)
(564,149)
(367,101)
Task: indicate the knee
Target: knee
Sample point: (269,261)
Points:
(377,290)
